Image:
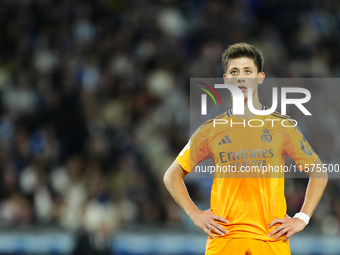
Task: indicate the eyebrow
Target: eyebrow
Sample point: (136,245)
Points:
(246,67)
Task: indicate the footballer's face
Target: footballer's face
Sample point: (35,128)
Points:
(243,73)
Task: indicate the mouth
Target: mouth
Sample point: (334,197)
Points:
(243,88)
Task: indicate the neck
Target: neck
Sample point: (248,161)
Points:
(247,113)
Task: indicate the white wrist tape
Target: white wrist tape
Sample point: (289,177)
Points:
(302,216)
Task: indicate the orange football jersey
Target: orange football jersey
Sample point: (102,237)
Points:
(249,201)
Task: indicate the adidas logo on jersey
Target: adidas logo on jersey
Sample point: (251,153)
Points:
(225,140)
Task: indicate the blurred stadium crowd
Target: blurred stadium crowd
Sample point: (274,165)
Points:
(95,95)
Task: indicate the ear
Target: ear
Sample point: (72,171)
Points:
(225,79)
(260,77)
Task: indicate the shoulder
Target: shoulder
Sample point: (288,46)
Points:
(286,122)
(210,122)
(278,115)
(207,125)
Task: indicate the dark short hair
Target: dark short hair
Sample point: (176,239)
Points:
(239,50)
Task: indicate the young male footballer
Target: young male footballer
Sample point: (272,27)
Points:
(247,215)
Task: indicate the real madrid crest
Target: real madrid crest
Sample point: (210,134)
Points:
(266,136)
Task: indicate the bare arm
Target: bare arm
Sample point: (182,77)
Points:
(315,188)
(173,180)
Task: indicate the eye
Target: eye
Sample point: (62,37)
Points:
(233,72)
(248,71)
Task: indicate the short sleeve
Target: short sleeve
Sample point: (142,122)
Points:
(297,147)
(196,150)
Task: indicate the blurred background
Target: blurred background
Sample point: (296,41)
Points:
(95,106)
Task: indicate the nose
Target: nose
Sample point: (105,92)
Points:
(241,80)
(241,77)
